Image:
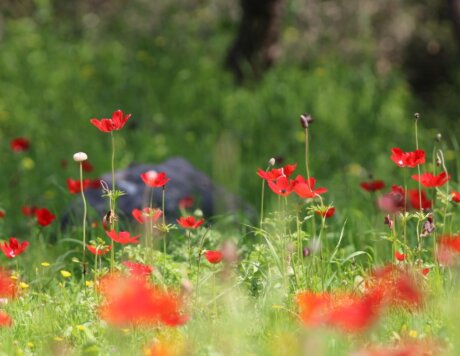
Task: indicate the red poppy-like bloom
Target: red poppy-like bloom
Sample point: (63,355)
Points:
(86,166)
(186,203)
(189,222)
(146,215)
(123,237)
(117,122)
(138,269)
(99,251)
(393,201)
(131,300)
(400,256)
(275,173)
(44,217)
(455,196)
(5,319)
(326,212)
(8,286)
(407,159)
(448,249)
(425,271)
(213,256)
(430,181)
(19,144)
(373,186)
(154,179)
(282,186)
(28,210)
(305,188)
(2,213)
(349,313)
(13,248)
(74,186)
(414,198)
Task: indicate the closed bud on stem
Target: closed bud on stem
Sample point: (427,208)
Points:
(306,120)
(438,137)
(417,116)
(80,157)
(271,162)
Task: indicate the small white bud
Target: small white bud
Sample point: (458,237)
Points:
(80,157)
(272,161)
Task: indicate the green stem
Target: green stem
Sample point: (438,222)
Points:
(306,153)
(112,204)
(84,219)
(164,226)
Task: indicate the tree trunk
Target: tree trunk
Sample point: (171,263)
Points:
(255,47)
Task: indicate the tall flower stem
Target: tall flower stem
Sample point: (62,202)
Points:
(112,204)
(306,153)
(418,166)
(164,226)
(84,219)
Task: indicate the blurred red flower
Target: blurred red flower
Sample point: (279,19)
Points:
(13,248)
(86,166)
(448,249)
(8,286)
(98,251)
(117,122)
(74,186)
(400,256)
(138,269)
(146,215)
(373,186)
(130,300)
(326,212)
(189,222)
(19,144)
(414,198)
(95,183)
(2,213)
(456,196)
(430,181)
(123,237)
(154,179)
(393,201)
(213,256)
(5,319)
(44,217)
(28,210)
(407,159)
(186,202)
(305,188)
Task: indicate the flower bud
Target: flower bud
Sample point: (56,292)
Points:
(438,137)
(417,116)
(305,120)
(271,162)
(80,157)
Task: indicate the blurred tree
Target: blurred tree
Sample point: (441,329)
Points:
(255,47)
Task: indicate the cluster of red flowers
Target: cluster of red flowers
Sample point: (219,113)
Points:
(43,215)
(388,286)
(129,300)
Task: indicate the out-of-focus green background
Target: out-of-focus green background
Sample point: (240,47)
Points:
(361,68)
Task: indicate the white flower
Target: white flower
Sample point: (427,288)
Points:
(80,157)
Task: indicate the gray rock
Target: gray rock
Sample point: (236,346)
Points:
(185,181)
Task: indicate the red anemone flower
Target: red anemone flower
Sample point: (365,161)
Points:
(138,269)
(281,186)
(213,256)
(415,199)
(13,248)
(74,186)
(19,144)
(131,300)
(305,188)
(326,212)
(400,256)
(373,186)
(456,196)
(190,222)
(275,173)
(430,181)
(407,159)
(2,213)
(44,217)
(146,215)
(154,179)
(117,122)
(99,251)
(393,201)
(123,237)
(8,286)
(448,249)
(28,210)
